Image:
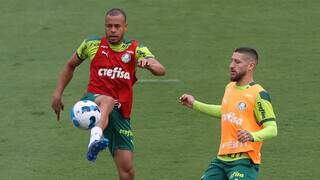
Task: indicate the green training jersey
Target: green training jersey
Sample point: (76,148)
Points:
(90,46)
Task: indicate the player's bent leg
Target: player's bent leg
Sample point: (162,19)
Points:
(97,143)
(124,163)
(106,104)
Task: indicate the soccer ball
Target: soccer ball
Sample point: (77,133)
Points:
(85,114)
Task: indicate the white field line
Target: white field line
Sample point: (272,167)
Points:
(158,80)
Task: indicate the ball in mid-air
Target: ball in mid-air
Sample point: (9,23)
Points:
(85,114)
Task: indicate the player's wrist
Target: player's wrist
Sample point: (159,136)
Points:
(194,104)
(56,96)
(253,137)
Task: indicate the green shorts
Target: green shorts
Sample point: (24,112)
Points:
(118,131)
(242,169)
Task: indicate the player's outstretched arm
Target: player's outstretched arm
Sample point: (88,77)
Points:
(210,109)
(63,80)
(152,65)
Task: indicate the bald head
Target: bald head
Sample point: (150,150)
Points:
(117,12)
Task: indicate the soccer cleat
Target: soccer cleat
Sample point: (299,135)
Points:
(96,147)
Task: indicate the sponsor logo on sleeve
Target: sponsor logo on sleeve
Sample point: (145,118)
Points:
(261,110)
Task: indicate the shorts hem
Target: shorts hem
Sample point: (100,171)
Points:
(121,148)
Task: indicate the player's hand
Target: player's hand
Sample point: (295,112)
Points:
(57,106)
(143,63)
(244,136)
(187,100)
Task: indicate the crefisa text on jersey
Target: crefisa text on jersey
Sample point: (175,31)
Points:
(116,72)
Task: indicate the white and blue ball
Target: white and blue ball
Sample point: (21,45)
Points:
(85,114)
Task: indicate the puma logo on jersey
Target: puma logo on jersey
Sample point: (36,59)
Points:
(114,73)
(105,53)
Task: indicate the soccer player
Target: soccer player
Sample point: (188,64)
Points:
(113,61)
(247,119)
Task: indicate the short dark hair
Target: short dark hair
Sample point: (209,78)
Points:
(116,12)
(248,51)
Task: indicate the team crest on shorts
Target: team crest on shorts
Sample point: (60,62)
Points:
(126,57)
(242,106)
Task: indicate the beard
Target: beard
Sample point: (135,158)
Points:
(237,77)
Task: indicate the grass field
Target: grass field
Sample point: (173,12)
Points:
(194,40)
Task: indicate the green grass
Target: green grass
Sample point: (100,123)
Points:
(194,41)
